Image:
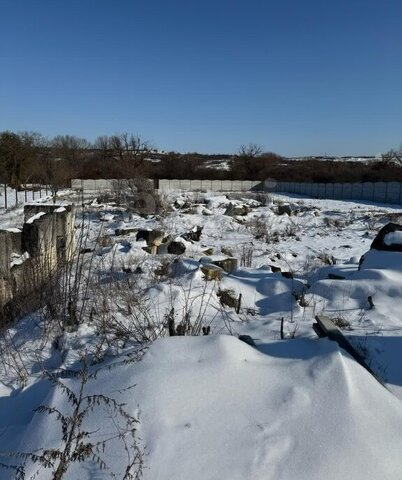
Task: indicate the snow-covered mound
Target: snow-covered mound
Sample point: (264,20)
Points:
(216,408)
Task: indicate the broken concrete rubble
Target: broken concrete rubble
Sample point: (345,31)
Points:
(193,235)
(237,210)
(389,238)
(211,272)
(29,257)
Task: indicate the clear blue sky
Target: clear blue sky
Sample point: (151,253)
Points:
(296,76)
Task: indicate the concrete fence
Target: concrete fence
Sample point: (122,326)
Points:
(210,185)
(102,185)
(10,197)
(382,192)
(90,185)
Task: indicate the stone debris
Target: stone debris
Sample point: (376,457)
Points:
(28,257)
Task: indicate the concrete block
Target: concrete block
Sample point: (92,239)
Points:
(5,252)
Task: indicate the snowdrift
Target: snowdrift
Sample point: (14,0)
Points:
(215,408)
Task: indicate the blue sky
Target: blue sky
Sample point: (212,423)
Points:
(298,77)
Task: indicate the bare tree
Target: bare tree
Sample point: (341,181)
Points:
(103,144)
(117,146)
(250,150)
(393,157)
(56,174)
(11,158)
(69,146)
(244,163)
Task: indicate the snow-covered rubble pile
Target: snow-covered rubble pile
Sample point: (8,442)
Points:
(213,407)
(216,408)
(393,238)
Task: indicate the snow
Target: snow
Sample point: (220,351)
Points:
(60,210)
(35,217)
(393,238)
(17,259)
(216,408)
(212,407)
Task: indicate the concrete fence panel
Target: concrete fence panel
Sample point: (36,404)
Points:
(256,186)
(195,185)
(356,191)
(226,185)
(322,190)
(297,188)
(314,190)
(216,185)
(185,185)
(331,187)
(367,191)
(287,187)
(393,192)
(346,191)
(76,184)
(380,192)
(337,191)
(236,186)
(164,185)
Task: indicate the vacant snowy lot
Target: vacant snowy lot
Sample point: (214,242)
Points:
(213,407)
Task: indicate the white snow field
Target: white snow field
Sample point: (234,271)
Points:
(216,408)
(213,407)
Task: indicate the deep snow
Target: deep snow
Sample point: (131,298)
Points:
(214,407)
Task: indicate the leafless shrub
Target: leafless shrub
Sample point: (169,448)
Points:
(291,330)
(300,297)
(335,223)
(246,256)
(77,444)
(291,230)
(11,359)
(228,297)
(260,228)
(326,258)
(371,223)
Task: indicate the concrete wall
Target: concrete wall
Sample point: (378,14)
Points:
(96,186)
(28,257)
(382,192)
(210,185)
(102,186)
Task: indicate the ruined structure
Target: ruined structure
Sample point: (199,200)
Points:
(31,255)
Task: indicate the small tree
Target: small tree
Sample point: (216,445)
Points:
(393,157)
(11,156)
(55,174)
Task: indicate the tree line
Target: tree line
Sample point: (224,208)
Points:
(28,157)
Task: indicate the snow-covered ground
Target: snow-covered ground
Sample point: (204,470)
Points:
(363,159)
(213,407)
